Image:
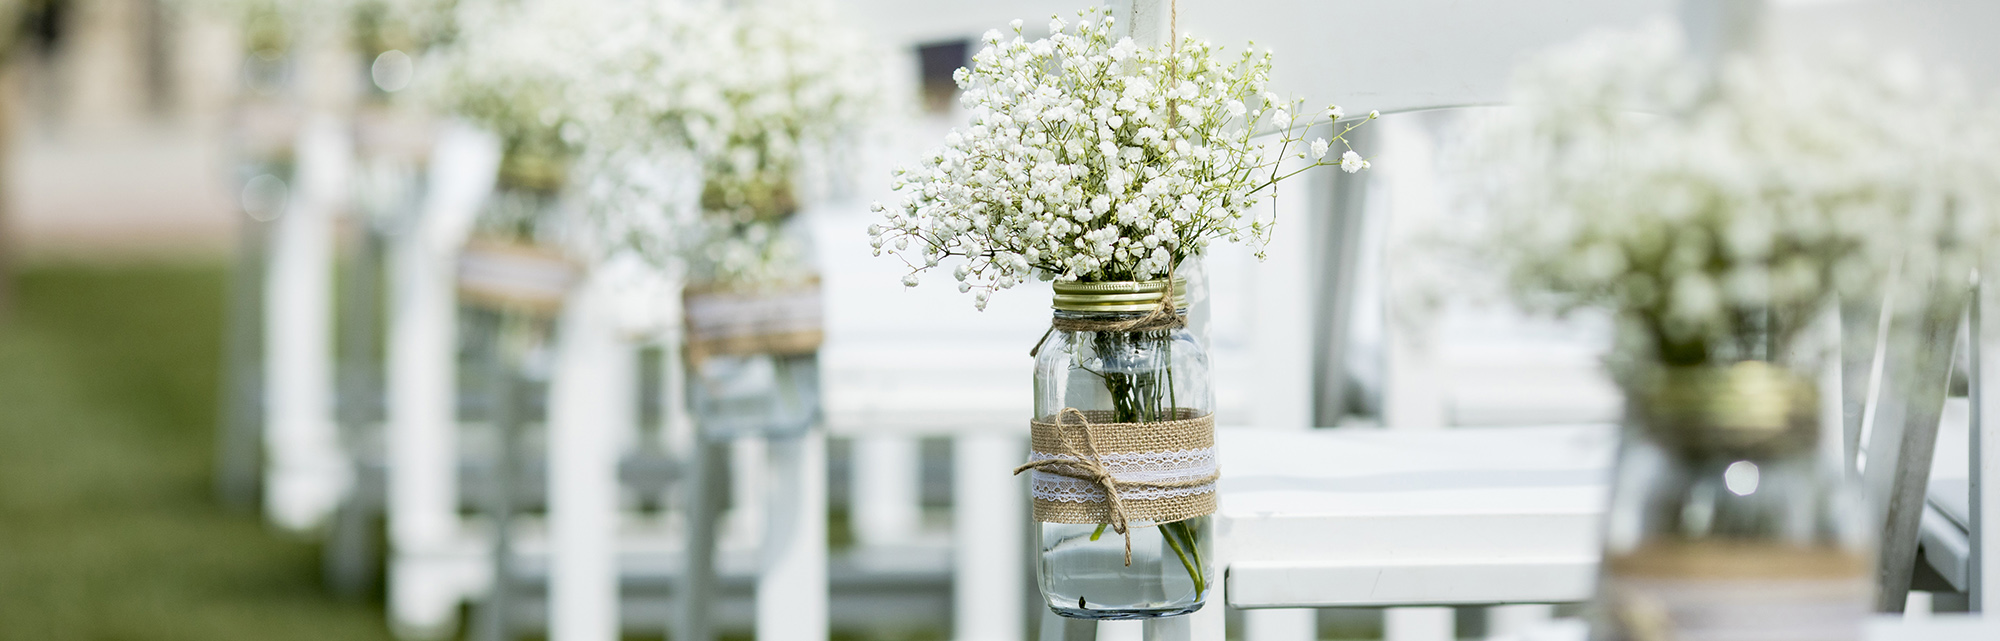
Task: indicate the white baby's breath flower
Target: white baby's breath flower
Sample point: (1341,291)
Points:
(1090,158)
(710,121)
(1722,232)
(1351,162)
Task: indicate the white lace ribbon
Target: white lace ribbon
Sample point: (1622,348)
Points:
(1127,467)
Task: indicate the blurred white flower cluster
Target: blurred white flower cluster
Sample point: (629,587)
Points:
(407,25)
(511,72)
(743,100)
(1092,159)
(1718,213)
(271,26)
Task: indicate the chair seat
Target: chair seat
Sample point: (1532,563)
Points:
(1365,517)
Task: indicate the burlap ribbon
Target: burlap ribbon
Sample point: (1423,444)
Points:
(780,320)
(1071,445)
(517,276)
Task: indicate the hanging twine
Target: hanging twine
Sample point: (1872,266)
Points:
(1072,446)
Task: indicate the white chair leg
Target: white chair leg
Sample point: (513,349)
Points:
(1418,624)
(988,546)
(308,470)
(1292,624)
(1121,631)
(888,502)
(1056,627)
(750,481)
(591,404)
(1169,629)
(1917,606)
(1518,618)
(792,589)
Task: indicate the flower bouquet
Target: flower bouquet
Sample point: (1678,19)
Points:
(510,71)
(1106,166)
(710,120)
(1721,212)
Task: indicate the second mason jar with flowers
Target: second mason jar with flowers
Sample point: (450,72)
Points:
(1110,179)
(1122,469)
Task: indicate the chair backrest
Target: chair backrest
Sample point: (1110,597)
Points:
(1894,373)
(1909,360)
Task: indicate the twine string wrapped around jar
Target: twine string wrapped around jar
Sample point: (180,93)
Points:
(1081,457)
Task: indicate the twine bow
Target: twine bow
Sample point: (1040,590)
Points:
(1087,464)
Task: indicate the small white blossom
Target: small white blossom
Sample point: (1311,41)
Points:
(1319,149)
(1351,162)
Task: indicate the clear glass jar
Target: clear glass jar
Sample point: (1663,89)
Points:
(1728,521)
(1131,377)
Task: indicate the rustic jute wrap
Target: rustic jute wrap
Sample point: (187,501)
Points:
(514,276)
(1081,445)
(782,321)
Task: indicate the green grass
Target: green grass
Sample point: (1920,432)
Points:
(108,527)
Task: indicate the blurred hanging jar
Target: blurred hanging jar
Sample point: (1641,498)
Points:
(507,73)
(1721,250)
(1727,520)
(753,325)
(506,265)
(719,124)
(1123,467)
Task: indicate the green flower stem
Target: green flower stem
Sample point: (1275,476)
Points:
(1185,548)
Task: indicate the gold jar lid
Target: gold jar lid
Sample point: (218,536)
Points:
(1118,296)
(1748,405)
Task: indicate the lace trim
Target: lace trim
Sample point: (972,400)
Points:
(1128,467)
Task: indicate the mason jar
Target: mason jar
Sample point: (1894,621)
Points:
(1728,520)
(1146,383)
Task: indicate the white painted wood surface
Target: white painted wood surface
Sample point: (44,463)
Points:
(433,562)
(791,586)
(307,470)
(887,497)
(988,539)
(592,405)
(1361,517)
(1418,624)
(1984,446)
(1942,627)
